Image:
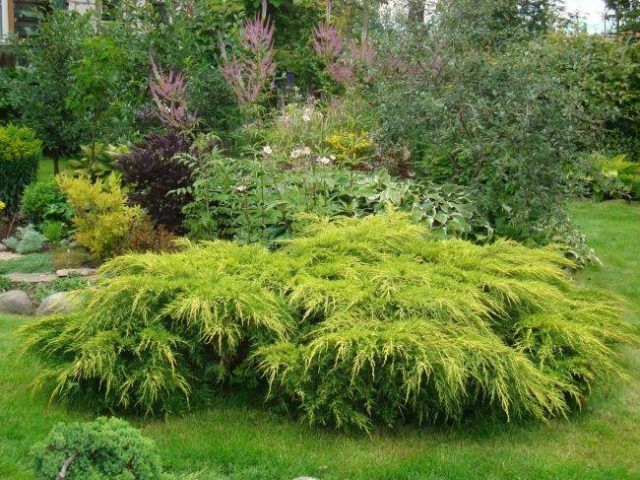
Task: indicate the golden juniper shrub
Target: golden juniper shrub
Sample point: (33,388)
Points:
(102,218)
(357,323)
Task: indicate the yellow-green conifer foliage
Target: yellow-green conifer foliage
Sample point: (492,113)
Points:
(101,216)
(355,324)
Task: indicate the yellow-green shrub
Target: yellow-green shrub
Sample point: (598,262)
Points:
(20,154)
(351,147)
(360,323)
(102,218)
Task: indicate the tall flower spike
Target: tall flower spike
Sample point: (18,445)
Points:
(250,73)
(364,52)
(169,93)
(341,73)
(327,41)
(257,34)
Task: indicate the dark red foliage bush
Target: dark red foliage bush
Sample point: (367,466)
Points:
(154,174)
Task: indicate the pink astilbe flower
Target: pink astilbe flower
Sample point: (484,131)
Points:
(363,53)
(327,41)
(169,93)
(250,73)
(348,67)
(341,73)
(257,34)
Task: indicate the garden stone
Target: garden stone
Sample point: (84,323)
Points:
(9,255)
(32,277)
(81,272)
(3,247)
(16,302)
(61,302)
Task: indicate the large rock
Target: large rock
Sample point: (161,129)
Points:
(32,277)
(62,302)
(16,302)
(79,272)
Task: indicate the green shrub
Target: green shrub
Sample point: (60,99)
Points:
(107,448)
(211,318)
(358,323)
(43,201)
(614,177)
(608,69)
(20,153)
(5,284)
(54,231)
(63,284)
(27,240)
(506,121)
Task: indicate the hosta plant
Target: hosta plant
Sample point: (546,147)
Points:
(615,177)
(97,160)
(356,323)
(260,201)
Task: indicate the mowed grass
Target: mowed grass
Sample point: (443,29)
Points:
(45,170)
(237,439)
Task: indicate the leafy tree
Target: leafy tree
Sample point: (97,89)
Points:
(493,22)
(94,92)
(52,53)
(626,14)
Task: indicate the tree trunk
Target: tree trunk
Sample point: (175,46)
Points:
(62,475)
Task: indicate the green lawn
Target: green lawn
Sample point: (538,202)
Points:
(242,442)
(46,167)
